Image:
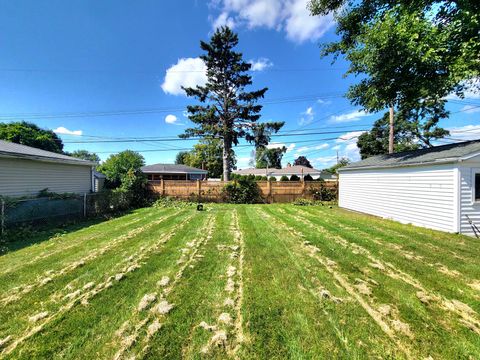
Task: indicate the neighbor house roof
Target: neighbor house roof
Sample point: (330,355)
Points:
(13,150)
(289,170)
(172,169)
(434,155)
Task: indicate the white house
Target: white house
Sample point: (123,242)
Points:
(25,171)
(437,188)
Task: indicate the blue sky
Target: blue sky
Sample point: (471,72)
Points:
(104,70)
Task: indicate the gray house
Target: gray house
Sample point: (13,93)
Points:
(25,170)
(158,172)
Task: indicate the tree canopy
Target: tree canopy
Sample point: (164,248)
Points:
(416,127)
(180,158)
(207,154)
(271,158)
(341,163)
(302,161)
(410,54)
(227,110)
(409,50)
(85,155)
(29,134)
(122,169)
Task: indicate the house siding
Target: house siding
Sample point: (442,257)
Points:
(423,195)
(467,204)
(21,177)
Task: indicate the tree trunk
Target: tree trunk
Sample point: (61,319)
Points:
(390,139)
(226,159)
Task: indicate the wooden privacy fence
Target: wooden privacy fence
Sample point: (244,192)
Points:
(270,191)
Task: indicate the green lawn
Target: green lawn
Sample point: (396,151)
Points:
(243,281)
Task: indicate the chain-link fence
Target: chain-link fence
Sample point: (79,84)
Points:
(45,210)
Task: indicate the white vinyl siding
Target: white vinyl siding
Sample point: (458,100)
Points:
(20,177)
(468,205)
(421,195)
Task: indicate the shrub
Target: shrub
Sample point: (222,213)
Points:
(304,202)
(242,191)
(324,194)
(264,178)
(284,178)
(258,178)
(273,178)
(251,177)
(308,177)
(294,178)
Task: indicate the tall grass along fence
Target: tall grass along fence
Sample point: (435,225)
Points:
(44,210)
(270,191)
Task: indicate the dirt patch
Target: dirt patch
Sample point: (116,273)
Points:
(153,328)
(163,281)
(5,341)
(475,285)
(402,327)
(146,301)
(225,318)
(205,326)
(38,316)
(385,309)
(163,307)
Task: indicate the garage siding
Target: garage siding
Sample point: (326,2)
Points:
(467,204)
(423,196)
(20,177)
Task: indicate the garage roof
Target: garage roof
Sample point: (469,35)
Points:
(433,155)
(13,150)
(172,169)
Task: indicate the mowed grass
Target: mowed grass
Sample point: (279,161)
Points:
(242,282)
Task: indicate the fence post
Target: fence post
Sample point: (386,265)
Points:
(3,216)
(269,191)
(162,187)
(85,205)
(303,186)
(199,190)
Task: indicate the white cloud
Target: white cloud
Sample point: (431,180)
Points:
(336,147)
(290,16)
(301,26)
(64,131)
(349,137)
(260,64)
(223,20)
(348,145)
(307,117)
(472,90)
(172,119)
(187,72)
(323,162)
(274,145)
(467,132)
(304,149)
(324,102)
(350,116)
(470,109)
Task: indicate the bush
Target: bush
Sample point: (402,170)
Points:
(251,177)
(258,178)
(242,191)
(324,194)
(308,177)
(273,178)
(294,178)
(284,178)
(304,202)
(264,178)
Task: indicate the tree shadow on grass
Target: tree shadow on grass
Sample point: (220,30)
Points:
(25,235)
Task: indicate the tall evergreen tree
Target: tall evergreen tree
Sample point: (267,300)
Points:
(227,110)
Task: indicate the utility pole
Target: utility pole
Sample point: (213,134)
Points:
(390,139)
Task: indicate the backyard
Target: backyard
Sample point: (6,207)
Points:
(242,281)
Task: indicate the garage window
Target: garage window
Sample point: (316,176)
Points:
(477,187)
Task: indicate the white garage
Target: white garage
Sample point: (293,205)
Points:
(437,188)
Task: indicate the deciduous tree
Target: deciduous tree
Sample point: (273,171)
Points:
(29,134)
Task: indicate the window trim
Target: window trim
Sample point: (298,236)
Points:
(475,172)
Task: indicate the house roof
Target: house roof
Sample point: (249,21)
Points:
(172,169)
(435,155)
(13,150)
(289,170)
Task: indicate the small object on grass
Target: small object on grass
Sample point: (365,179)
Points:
(199,207)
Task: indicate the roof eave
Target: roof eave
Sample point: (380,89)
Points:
(46,159)
(436,162)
